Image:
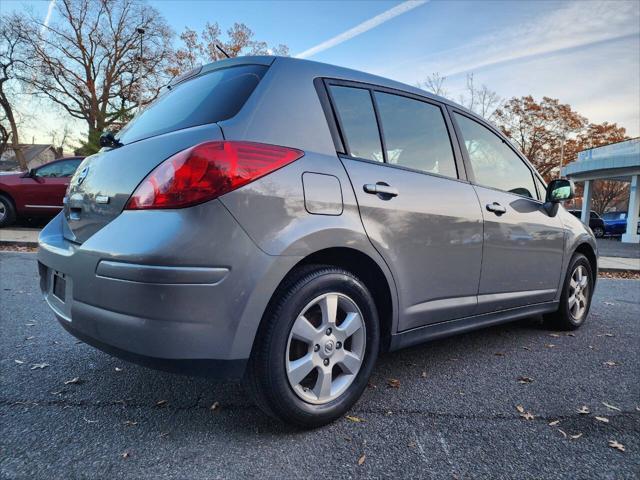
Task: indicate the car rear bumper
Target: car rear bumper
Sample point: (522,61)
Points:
(181,290)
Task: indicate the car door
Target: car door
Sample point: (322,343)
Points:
(44,190)
(419,214)
(523,245)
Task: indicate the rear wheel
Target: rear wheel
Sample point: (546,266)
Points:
(598,232)
(575,300)
(7,211)
(316,347)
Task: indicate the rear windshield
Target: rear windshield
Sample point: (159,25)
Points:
(209,98)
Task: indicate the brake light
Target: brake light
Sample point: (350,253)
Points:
(206,171)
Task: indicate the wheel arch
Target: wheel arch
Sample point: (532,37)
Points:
(367,270)
(588,251)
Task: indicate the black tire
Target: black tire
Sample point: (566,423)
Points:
(267,378)
(598,232)
(564,318)
(7,211)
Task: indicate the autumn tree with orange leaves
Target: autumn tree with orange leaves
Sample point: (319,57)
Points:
(199,48)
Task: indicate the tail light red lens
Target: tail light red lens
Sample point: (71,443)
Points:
(206,171)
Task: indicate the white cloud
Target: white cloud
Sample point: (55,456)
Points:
(575,25)
(363,27)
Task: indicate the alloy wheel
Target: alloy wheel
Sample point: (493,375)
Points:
(578,292)
(326,348)
(3,211)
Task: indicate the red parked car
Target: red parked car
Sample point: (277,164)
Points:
(38,192)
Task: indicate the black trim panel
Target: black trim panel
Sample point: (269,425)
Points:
(207,368)
(467,324)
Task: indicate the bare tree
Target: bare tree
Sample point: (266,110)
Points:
(201,48)
(88,61)
(482,100)
(607,193)
(13,52)
(434,83)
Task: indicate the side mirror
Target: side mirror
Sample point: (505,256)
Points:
(31,173)
(558,191)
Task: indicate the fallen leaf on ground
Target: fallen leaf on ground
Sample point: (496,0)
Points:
(549,345)
(393,383)
(354,419)
(411,445)
(89,421)
(525,380)
(39,365)
(125,455)
(362,459)
(554,423)
(527,415)
(602,419)
(526,348)
(520,408)
(73,381)
(575,437)
(30,338)
(424,374)
(605,335)
(164,434)
(612,407)
(554,335)
(570,334)
(215,406)
(617,445)
(564,434)
(161,403)
(583,410)
(30,324)
(130,423)
(611,363)
(372,385)
(118,369)
(19,362)
(608,303)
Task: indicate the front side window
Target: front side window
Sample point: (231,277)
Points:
(494,164)
(50,170)
(415,135)
(542,189)
(358,122)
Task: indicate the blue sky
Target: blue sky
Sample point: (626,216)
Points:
(586,52)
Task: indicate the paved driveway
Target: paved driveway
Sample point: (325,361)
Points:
(454,414)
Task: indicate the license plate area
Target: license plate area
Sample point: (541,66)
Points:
(59,289)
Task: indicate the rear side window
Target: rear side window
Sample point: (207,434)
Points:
(209,98)
(494,164)
(358,122)
(415,135)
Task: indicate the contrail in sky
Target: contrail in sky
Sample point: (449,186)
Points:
(363,27)
(52,4)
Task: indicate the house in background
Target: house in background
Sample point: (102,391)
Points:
(35,155)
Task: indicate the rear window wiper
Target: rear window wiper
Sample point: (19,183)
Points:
(108,140)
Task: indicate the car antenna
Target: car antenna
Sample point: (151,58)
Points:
(222,50)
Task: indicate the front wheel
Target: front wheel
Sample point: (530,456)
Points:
(598,232)
(7,212)
(316,347)
(575,300)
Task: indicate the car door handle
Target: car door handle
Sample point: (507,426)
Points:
(382,189)
(496,208)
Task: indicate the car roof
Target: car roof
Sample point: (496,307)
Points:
(334,71)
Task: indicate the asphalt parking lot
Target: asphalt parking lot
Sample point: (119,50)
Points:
(454,413)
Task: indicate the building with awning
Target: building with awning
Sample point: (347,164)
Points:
(618,161)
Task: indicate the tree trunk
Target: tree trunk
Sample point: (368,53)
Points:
(15,143)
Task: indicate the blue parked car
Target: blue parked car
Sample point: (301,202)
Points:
(615,223)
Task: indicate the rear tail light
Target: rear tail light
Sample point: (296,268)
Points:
(206,171)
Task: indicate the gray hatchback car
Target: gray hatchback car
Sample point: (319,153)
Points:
(283,221)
